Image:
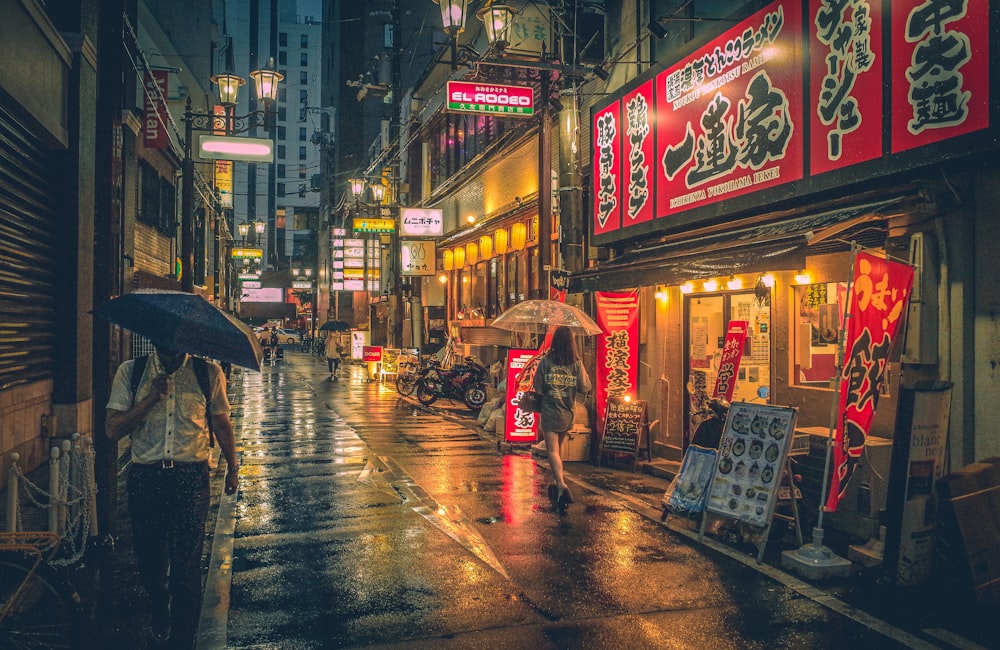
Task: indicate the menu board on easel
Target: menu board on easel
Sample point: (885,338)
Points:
(623,425)
(748,470)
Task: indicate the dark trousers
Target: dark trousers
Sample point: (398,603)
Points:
(333,363)
(168,508)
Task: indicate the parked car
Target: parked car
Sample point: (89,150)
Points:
(289,336)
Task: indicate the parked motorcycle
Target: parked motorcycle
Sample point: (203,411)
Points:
(464,381)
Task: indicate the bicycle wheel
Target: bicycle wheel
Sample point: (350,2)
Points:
(43,613)
(425,394)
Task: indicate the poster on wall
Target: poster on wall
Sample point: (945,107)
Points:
(879,297)
(751,459)
(617,347)
(940,70)
(845,91)
(607,189)
(729,117)
(520,427)
(637,158)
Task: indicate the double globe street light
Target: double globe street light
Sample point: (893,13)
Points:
(223,147)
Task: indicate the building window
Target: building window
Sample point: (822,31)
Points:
(303,77)
(458,140)
(302,153)
(302,171)
(303,96)
(302,134)
(281,171)
(305,40)
(817,331)
(283,39)
(156,197)
(281,133)
(282,93)
(282,114)
(281,152)
(280,190)
(282,57)
(304,58)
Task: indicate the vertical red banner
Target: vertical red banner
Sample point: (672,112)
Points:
(520,427)
(845,89)
(608,191)
(732,355)
(879,297)
(154,111)
(638,155)
(940,70)
(617,347)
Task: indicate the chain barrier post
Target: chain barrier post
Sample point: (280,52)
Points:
(53,490)
(12,493)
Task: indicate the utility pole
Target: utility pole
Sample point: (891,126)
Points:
(544,189)
(398,310)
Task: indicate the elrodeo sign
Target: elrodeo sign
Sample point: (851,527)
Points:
(513,101)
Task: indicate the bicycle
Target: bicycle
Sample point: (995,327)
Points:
(406,379)
(39,608)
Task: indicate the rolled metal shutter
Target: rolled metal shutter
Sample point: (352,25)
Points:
(28,221)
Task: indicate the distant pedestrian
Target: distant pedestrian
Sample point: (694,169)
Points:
(168,488)
(334,354)
(560,377)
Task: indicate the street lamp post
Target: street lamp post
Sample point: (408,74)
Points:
(266,82)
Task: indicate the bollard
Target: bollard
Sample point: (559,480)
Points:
(91,486)
(12,495)
(53,490)
(75,484)
(61,505)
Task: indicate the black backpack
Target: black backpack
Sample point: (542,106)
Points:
(200,367)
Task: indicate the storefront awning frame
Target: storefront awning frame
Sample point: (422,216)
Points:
(773,246)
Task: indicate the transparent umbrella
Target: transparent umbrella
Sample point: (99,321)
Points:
(537,316)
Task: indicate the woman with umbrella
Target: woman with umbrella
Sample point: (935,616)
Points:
(558,379)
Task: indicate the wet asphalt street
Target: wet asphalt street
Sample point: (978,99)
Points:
(364,520)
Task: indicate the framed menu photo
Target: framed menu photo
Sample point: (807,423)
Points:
(748,470)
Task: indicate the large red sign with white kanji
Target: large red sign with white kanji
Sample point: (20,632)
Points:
(520,427)
(617,347)
(879,296)
(607,190)
(940,63)
(845,89)
(729,117)
(638,158)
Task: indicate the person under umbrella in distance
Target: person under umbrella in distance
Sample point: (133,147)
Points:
(559,378)
(168,486)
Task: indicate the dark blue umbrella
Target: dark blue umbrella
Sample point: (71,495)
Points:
(334,326)
(185,322)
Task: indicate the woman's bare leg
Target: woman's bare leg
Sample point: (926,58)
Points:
(553,445)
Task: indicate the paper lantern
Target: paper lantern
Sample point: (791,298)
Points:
(500,241)
(448,260)
(518,236)
(486,246)
(471,253)
(459,257)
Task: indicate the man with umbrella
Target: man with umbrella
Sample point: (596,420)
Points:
(165,402)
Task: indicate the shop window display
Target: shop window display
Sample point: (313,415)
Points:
(817,331)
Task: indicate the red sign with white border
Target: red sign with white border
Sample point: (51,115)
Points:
(607,169)
(729,117)
(845,92)
(638,162)
(520,427)
(940,62)
(371,353)
(617,348)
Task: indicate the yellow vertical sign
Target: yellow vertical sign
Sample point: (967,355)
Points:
(224,182)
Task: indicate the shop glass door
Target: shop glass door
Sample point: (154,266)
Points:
(705,332)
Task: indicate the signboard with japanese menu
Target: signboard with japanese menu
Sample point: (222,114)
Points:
(800,97)
(623,425)
(748,469)
(617,347)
